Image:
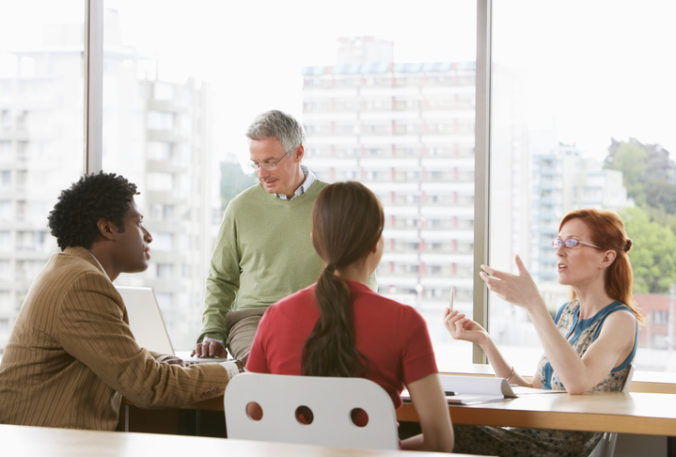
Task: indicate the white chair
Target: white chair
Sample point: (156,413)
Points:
(606,447)
(330,400)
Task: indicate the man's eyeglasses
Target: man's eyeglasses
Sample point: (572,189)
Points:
(571,243)
(266,165)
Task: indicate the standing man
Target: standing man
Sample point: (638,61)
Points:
(71,355)
(263,252)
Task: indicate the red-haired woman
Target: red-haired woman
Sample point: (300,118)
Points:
(588,346)
(339,327)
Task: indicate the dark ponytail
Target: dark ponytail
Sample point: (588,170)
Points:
(347,222)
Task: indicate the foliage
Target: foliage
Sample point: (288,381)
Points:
(653,257)
(649,175)
(233,181)
(650,178)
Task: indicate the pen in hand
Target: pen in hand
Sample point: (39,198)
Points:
(450,306)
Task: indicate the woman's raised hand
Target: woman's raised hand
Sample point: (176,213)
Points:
(462,327)
(517,289)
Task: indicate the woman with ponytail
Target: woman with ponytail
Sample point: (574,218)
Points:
(589,345)
(339,327)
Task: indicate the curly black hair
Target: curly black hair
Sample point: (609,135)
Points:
(75,215)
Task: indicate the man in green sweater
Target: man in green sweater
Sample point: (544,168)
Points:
(263,251)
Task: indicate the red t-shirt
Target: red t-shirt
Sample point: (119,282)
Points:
(393,338)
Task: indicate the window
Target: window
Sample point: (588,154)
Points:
(582,120)
(41,125)
(390,102)
(356,85)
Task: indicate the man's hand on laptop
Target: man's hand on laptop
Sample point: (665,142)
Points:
(209,348)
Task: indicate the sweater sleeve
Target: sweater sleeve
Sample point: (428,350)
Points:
(223,279)
(91,327)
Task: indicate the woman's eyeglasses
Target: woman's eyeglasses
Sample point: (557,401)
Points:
(571,243)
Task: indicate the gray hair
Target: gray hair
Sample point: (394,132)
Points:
(277,124)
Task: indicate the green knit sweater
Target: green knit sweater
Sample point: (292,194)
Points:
(263,253)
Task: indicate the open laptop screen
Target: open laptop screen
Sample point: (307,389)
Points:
(147,324)
(145,319)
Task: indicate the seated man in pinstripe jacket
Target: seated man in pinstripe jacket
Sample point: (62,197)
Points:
(71,355)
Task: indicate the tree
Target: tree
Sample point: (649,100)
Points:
(650,179)
(233,181)
(631,159)
(649,176)
(653,255)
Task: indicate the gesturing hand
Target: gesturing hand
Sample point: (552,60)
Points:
(462,327)
(517,289)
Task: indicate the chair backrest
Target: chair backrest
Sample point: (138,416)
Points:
(332,402)
(606,446)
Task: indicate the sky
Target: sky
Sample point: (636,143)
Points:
(601,68)
(591,70)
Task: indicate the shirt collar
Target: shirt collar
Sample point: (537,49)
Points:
(309,179)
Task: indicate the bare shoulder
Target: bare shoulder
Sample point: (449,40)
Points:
(620,323)
(622,317)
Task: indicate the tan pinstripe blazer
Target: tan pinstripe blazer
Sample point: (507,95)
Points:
(71,355)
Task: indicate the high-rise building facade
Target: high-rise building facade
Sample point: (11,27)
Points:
(155,133)
(40,138)
(407,131)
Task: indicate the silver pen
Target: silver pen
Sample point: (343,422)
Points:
(450,307)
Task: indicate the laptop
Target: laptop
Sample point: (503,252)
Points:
(147,324)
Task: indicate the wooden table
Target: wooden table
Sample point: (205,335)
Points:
(638,413)
(56,442)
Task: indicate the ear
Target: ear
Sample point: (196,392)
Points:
(608,258)
(298,153)
(375,245)
(107,229)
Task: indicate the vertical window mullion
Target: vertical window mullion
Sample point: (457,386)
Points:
(482,164)
(93,85)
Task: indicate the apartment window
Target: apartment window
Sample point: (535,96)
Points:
(583,120)
(165,270)
(5,266)
(163,241)
(5,236)
(6,151)
(30,240)
(159,150)
(5,179)
(160,181)
(160,121)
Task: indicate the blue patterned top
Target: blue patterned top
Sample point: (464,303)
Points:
(581,333)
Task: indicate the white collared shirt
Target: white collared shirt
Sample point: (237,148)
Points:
(309,179)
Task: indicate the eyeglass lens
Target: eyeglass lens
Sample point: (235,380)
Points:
(569,243)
